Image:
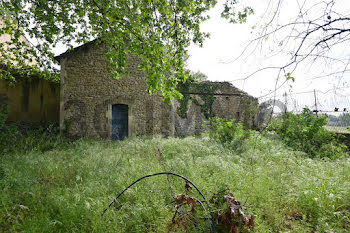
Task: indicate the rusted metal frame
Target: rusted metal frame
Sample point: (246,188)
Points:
(211,223)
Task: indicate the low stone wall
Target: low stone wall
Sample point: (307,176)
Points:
(30,100)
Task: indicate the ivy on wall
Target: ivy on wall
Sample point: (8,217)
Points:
(198,87)
(183,108)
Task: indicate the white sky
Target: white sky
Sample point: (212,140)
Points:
(228,40)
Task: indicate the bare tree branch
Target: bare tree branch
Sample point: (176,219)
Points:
(317,37)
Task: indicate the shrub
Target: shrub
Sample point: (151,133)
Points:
(8,133)
(306,132)
(22,137)
(225,132)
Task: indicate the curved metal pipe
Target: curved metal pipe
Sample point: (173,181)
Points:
(211,224)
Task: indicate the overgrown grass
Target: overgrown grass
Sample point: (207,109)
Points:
(49,184)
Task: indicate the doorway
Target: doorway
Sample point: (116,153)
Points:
(120,121)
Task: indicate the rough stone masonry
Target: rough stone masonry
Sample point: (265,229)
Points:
(87,94)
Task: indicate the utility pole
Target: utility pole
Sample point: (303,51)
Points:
(316,111)
(285,102)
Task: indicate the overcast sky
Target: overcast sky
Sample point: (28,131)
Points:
(228,40)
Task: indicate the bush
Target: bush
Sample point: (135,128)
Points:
(8,133)
(225,132)
(22,137)
(306,132)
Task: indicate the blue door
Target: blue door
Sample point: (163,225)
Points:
(119,121)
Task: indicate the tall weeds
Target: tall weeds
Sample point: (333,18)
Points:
(51,184)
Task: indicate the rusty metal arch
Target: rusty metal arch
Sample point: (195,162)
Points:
(211,222)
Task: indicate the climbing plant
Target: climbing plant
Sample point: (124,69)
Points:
(183,108)
(208,100)
(198,87)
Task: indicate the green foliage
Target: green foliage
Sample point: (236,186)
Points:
(231,13)
(183,108)
(191,85)
(159,32)
(289,77)
(306,132)
(208,100)
(11,73)
(22,138)
(8,133)
(198,76)
(66,189)
(226,132)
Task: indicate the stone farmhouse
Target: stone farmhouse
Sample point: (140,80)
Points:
(92,104)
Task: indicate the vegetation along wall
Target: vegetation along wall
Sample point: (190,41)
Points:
(30,100)
(203,100)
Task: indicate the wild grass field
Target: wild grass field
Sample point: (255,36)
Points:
(49,183)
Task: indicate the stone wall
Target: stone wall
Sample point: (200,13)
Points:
(235,105)
(88,93)
(30,100)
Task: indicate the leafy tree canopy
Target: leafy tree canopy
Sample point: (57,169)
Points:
(157,31)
